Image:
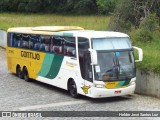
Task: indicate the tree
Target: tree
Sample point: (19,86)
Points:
(85,7)
(3,5)
(106,6)
(13,5)
(34,6)
(59,6)
(134,13)
(22,6)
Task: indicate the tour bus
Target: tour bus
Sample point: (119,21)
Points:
(85,62)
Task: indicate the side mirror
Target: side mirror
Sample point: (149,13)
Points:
(93,56)
(140,54)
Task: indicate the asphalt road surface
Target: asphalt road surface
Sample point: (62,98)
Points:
(18,95)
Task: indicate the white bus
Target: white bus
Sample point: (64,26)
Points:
(92,63)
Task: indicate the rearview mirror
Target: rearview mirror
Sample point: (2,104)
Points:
(140,54)
(93,56)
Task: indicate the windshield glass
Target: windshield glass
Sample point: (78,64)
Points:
(115,65)
(111,43)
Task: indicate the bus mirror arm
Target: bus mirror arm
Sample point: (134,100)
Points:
(140,54)
(93,56)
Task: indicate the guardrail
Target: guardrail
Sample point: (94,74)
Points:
(3,38)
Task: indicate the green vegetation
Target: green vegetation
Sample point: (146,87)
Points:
(141,20)
(59,6)
(138,18)
(151,60)
(8,20)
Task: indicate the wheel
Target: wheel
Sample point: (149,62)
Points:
(26,76)
(19,72)
(73,89)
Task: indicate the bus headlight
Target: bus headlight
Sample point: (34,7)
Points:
(100,86)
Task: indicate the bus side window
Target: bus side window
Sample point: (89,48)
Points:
(18,41)
(42,45)
(10,41)
(47,44)
(25,41)
(36,43)
(57,45)
(15,40)
(69,46)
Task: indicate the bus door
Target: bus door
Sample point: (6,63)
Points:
(85,63)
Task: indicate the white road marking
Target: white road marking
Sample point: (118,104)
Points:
(52,105)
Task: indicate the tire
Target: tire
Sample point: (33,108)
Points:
(73,89)
(26,75)
(19,72)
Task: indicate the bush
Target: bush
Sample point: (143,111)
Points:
(150,23)
(142,36)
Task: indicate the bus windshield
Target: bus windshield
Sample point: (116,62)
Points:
(115,59)
(115,66)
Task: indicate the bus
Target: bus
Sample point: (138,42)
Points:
(92,63)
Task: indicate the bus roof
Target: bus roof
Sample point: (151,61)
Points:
(66,31)
(92,34)
(56,28)
(43,29)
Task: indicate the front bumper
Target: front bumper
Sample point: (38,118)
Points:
(104,92)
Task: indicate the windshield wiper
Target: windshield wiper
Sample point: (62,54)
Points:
(116,68)
(118,65)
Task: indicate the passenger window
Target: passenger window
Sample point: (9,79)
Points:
(17,38)
(14,40)
(36,43)
(42,44)
(10,41)
(47,43)
(69,46)
(25,41)
(57,43)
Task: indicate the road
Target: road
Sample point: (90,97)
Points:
(18,95)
